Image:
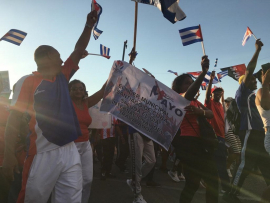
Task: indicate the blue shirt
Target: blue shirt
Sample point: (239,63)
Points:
(250,117)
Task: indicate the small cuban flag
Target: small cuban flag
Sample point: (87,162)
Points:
(98,8)
(105,51)
(14,36)
(247,35)
(222,74)
(175,73)
(191,35)
(203,86)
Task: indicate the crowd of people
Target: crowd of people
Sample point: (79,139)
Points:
(46,155)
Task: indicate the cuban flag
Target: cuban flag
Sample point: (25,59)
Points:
(98,8)
(222,74)
(105,51)
(170,9)
(14,36)
(175,73)
(203,86)
(247,35)
(206,79)
(191,35)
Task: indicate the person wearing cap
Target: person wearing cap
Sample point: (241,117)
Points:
(212,102)
(251,129)
(53,165)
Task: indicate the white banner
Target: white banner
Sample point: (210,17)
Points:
(144,103)
(100,120)
(4,82)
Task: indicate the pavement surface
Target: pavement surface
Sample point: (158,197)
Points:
(117,191)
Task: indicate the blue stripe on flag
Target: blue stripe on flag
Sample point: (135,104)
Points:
(192,41)
(18,31)
(11,41)
(189,28)
(188,35)
(15,36)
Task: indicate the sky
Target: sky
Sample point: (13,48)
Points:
(59,23)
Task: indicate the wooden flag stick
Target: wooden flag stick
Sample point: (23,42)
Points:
(135,25)
(203,48)
(100,55)
(254,36)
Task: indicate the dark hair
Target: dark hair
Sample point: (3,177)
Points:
(73,82)
(40,53)
(178,81)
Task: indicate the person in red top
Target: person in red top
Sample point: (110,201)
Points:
(212,101)
(197,163)
(81,105)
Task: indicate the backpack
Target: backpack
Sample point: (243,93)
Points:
(234,117)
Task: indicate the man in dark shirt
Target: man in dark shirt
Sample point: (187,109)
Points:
(253,151)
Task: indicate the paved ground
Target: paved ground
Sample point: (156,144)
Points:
(117,191)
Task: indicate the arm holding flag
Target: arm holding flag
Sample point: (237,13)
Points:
(208,90)
(252,64)
(84,38)
(193,89)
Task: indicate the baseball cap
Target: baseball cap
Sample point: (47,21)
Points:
(216,89)
(228,99)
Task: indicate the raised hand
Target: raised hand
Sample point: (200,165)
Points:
(85,53)
(205,64)
(212,76)
(258,44)
(92,18)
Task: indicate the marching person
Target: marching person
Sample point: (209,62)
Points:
(263,106)
(212,102)
(197,163)
(253,151)
(81,105)
(53,163)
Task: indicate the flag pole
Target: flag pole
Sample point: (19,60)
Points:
(254,36)
(135,26)
(125,46)
(99,55)
(202,40)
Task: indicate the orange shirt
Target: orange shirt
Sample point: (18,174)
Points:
(217,122)
(84,120)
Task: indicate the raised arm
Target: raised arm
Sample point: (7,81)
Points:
(208,91)
(193,89)
(252,64)
(84,38)
(95,98)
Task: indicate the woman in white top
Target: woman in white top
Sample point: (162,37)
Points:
(263,106)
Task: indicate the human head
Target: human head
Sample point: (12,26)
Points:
(48,60)
(228,101)
(181,83)
(77,89)
(252,85)
(216,93)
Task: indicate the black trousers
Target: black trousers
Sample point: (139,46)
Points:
(122,151)
(253,154)
(197,165)
(108,146)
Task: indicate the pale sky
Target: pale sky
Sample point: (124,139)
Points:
(59,23)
